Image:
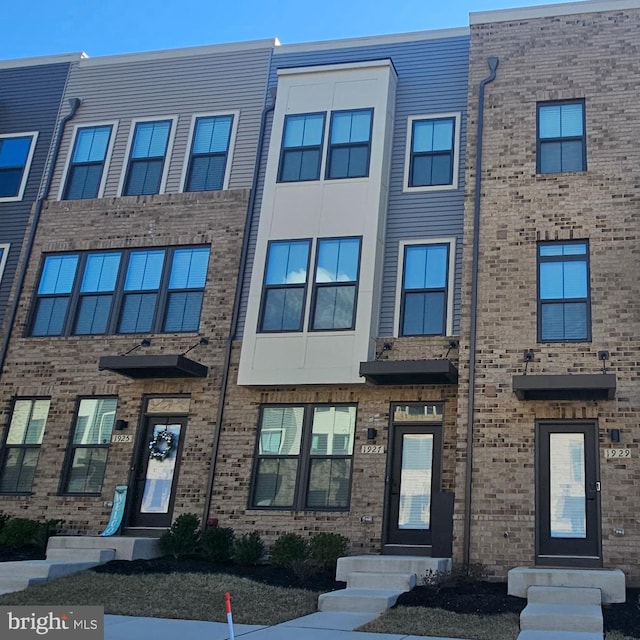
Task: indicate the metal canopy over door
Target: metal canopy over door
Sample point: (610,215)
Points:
(568,495)
(413,477)
(156,477)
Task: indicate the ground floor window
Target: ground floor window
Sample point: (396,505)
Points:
(90,445)
(304,457)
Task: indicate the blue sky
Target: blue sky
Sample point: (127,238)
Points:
(104,27)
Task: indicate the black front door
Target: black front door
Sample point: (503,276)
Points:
(568,494)
(414,478)
(156,473)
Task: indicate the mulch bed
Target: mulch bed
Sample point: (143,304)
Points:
(9,554)
(488,598)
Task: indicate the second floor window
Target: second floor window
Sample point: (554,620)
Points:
(431,161)
(16,152)
(563,292)
(133,291)
(87,163)
(335,284)
(209,150)
(147,158)
(424,290)
(561,137)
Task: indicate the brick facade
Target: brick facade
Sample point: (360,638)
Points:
(65,368)
(592,57)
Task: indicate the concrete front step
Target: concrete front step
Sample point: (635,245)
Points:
(363,600)
(98,556)
(559,635)
(17,576)
(611,582)
(125,547)
(419,565)
(561,617)
(10,584)
(370,580)
(564,595)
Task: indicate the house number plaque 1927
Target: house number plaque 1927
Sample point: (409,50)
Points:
(372,448)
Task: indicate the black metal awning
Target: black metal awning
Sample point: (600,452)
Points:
(156,366)
(589,386)
(409,372)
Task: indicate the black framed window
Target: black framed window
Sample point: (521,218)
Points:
(301,147)
(15,156)
(209,151)
(349,144)
(89,447)
(285,285)
(335,284)
(22,444)
(424,290)
(563,292)
(130,291)
(432,152)
(146,158)
(304,457)
(561,137)
(87,162)
(4,254)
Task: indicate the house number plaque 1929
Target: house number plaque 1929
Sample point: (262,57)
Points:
(372,448)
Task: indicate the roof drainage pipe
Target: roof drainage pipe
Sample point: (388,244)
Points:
(74,104)
(224,383)
(493,66)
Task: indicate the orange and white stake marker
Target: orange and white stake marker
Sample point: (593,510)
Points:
(227,606)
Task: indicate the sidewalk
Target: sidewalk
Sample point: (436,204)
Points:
(316,626)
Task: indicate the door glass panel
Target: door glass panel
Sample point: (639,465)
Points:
(156,497)
(418,413)
(567,485)
(415,481)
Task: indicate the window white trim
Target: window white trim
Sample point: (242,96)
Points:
(456,153)
(167,157)
(4,249)
(27,164)
(450,280)
(232,142)
(107,156)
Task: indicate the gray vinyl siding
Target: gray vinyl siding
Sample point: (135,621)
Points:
(432,78)
(180,86)
(29,101)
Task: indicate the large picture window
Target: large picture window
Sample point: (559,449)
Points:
(132,291)
(86,168)
(304,457)
(561,137)
(425,290)
(563,292)
(16,153)
(22,445)
(87,457)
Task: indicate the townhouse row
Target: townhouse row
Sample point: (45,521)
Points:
(384,286)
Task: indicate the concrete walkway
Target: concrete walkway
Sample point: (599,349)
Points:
(336,625)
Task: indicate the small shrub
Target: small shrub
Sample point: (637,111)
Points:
(216,544)
(435,579)
(3,519)
(183,538)
(20,532)
(248,549)
(326,548)
(288,550)
(47,529)
(460,574)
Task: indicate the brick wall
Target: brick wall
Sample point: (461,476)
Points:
(595,57)
(64,368)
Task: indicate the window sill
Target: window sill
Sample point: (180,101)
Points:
(436,188)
